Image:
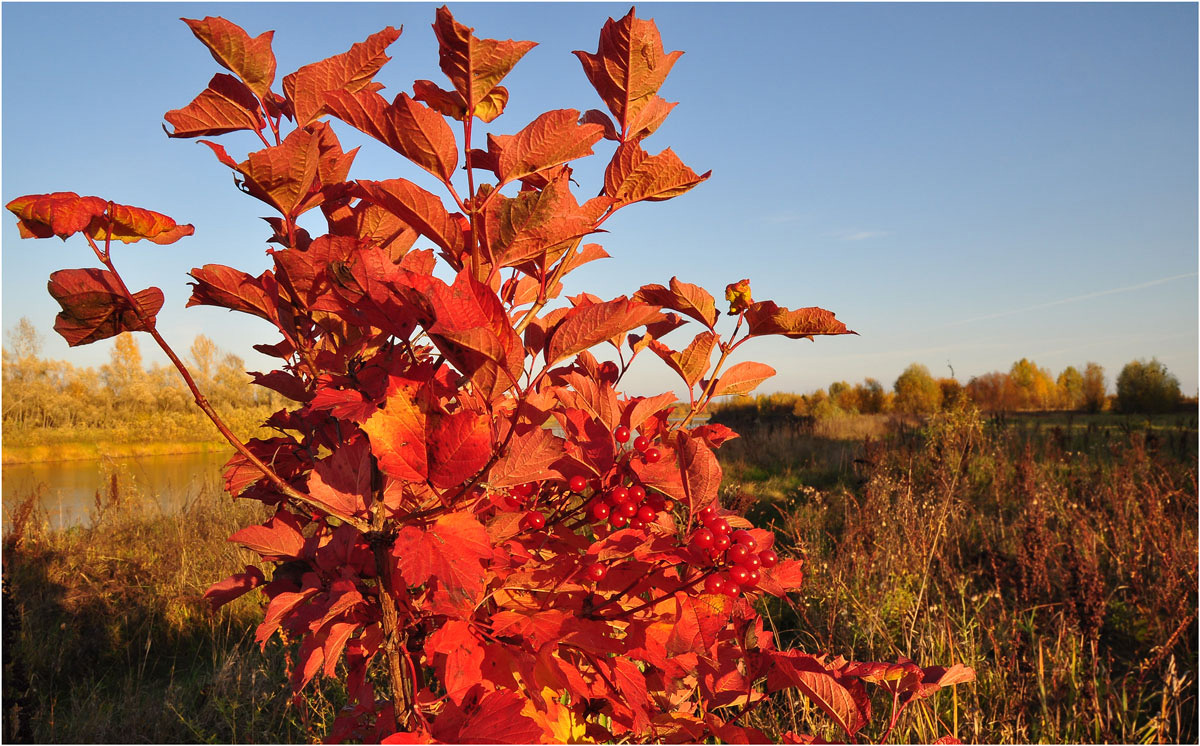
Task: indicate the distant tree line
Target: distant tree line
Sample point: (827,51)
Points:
(41,393)
(1142,387)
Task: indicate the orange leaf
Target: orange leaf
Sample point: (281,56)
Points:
(227,105)
(475,66)
(628,68)
(65,213)
(634,175)
(352,71)
(460,444)
(251,59)
(765,317)
(585,326)
(741,378)
(420,209)
(695,359)
(279,538)
(342,483)
(397,434)
(684,297)
(553,138)
(411,129)
(451,551)
(521,228)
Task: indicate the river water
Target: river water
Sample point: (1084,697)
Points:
(68,488)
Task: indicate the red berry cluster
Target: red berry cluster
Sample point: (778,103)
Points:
(734,555)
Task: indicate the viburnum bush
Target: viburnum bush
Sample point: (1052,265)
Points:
(472,527)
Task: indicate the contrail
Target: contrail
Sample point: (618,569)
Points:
(1073,299)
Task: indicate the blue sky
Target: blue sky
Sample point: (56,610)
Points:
(963,184)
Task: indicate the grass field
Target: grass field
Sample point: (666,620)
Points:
(1059,559)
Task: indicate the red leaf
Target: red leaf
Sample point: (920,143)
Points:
(446,103)
(472,329)
(461,668)
(335,642)
(529,455)
(938,677)
(643,409)
(94,306)
(741,378)
(420,209)
(225,287)
(786,577)
(633,175)
(226,105)
(700,469)
(65,213)
(412,130)
(475,66)
(691,300)
(233,587)
(341,484)
(251,59)
(460,445)
(628,68)
(586,326)
(351,71)
(821,686)
(553,138)
(497,718)
(397,434)
(279,538)
(765,317)
(450,551)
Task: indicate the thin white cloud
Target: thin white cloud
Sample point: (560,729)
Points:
(1072,299)
(858,235)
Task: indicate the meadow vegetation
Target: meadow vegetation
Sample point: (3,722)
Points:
(1057,559)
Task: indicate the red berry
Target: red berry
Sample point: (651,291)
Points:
(742,536)
(637,524)
(719,526)
(702,539)
(707,513)
(608,369)
(637,492)
(752,579)
(739,574)
(523,490)
(596,572)
(616,520)
(534,519)
(714,584)
(618,494)
(511,502)
(738,554)
(732,589)
(600,510)
(768,558)
(646,513)
(641,443)
(752,562)
(629,510)
(652,455)
(721,542)
(578,483)
(621,434)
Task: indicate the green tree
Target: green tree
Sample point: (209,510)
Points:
(1147,388)
(916,391)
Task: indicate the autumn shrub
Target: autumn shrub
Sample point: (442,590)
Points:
(471,528)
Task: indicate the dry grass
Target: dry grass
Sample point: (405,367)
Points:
(1062,566)
(106,638)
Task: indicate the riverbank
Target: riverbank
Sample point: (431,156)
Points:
(95,451)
